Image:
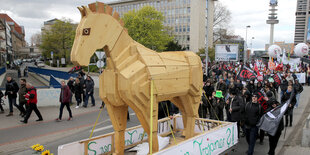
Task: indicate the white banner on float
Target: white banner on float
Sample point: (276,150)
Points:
(214,142)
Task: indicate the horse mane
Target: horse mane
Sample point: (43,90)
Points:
(99,7)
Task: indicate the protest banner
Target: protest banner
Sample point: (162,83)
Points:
(246,74)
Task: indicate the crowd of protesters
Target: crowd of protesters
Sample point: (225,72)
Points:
(245,101)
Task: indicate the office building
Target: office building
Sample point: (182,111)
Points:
(302,29)
(186,18)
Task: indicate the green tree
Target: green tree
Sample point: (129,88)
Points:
(59,39)
(146,27)
(174,46)
(211,53)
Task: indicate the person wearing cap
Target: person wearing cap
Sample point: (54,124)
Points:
(218,104)
(253,111)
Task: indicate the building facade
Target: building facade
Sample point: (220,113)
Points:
(302,29)
(186,18)
(15,37)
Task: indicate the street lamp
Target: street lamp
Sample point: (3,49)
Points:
(246,43)
(251,43)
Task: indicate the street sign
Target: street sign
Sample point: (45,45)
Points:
(100,64)
(63,61)
(52,53)
(202,55)
(100,55)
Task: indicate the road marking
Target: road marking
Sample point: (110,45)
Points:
(103,128)
(132,114)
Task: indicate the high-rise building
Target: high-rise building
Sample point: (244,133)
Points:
(185,17)
(302,29)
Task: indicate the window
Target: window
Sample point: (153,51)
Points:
(184,28)
(176,29)
(188,28)
(188,10)
(180,28)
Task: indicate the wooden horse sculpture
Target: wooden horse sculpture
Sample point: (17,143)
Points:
(126,81)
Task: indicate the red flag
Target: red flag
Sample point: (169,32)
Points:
(256,70)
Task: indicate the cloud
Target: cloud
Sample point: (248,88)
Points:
(255,14)
(32,14)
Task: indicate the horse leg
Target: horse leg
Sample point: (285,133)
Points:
(191,109)
(118,116)
(178,102)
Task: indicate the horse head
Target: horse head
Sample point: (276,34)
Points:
(98,29)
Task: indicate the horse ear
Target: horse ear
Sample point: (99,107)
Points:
(82,11)
(121,22)
(108,10)
(116,15)
(86,10)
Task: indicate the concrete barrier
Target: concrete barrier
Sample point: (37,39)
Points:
(46,97)
(305,142)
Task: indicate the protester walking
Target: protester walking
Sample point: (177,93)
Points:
(218,104)
(11,89)
(21,96)
(252,114)
(89,84)
(64,100)
(1,108)
(290,96)
(31,97)
(298,88)
(272,103)
(70,84)
(78,91)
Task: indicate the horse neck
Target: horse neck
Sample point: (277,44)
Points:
(122,43)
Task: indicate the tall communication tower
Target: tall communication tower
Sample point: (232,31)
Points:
(272,19)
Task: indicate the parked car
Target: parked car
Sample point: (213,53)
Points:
(40,64)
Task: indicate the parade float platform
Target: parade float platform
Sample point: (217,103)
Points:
(211,137)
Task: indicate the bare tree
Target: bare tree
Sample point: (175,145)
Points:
(221,23)
(35,39)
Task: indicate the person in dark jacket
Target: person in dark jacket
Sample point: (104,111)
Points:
(236,108)
(283,86)
(209,89)
(64,100)
(11,89)
(273,140)
(250,86)
(253,111)
(298,89)
(89,91)
(78,91)
(218,104)
(239,86)
(31,97)
(21,96)
(70,84)
(289,95)
(82,82)
(221,85)
(1,108)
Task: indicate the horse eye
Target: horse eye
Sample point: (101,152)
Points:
(86,31)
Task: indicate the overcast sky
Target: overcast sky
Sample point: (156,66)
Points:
(32,13)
